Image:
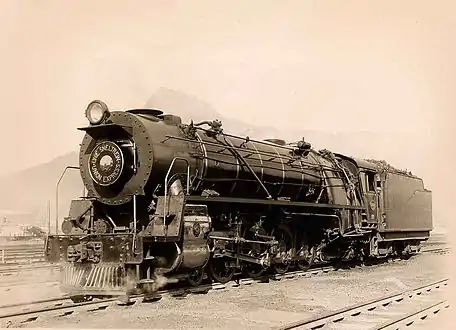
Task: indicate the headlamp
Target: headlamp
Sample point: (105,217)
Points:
(96,112)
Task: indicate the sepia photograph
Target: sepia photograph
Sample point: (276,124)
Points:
(256,164)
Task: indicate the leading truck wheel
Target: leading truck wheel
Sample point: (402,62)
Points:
(220,269)
(80,299)
(195,277)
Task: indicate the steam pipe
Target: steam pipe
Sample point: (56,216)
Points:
(134,222)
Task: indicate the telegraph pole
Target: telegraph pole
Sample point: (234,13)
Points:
(49,216)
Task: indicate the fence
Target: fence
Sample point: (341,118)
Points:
(17,254)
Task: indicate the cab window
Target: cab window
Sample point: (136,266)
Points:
(370,176)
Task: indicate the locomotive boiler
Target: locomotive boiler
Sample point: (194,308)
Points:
(180,200)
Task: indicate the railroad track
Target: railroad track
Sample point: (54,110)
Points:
(391,312)
(436,249)
(396,311)
(62,306)
(17,269)
(26,275)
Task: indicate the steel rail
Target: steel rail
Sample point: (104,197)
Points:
(36,302)
(55,308)
(354,311)
(410,318)
(132,299)
(440,249)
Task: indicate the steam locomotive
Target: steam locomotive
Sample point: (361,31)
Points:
(184,200)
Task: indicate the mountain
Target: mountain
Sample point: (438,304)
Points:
(191,108)
(28,191)
(25,200)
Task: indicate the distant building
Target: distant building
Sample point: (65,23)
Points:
(12,230)
(14,223)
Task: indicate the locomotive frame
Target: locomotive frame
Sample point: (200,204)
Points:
(179,201)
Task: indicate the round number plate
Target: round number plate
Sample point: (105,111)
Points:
(106,163)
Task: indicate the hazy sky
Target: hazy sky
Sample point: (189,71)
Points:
(327,65)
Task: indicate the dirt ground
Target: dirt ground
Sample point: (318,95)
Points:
(29,286)
(262,305)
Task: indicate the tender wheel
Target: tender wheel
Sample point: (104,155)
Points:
(220,270)
(405,252)
(285,239)
(195,278)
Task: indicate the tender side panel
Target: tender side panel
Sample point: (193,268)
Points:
(408,206)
